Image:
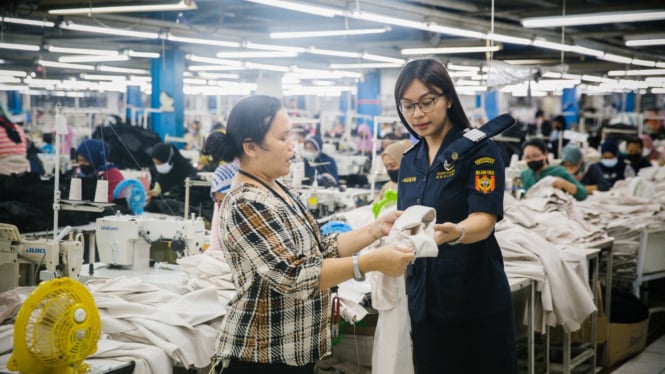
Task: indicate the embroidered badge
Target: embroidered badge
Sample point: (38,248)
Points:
(485,181)
(484,160)
(408,180)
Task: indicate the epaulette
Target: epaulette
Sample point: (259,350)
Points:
(472,138)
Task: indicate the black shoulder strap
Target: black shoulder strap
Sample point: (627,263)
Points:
(474,137)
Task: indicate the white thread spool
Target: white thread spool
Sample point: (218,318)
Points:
(75,189)
(102,191)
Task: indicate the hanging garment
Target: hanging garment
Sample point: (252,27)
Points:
(392,339)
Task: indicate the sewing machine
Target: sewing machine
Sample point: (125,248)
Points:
(124,240)
(60,257)
(325,201)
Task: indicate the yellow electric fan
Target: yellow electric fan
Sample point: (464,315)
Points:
(57,327)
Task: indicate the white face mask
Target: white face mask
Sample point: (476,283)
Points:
(646,152)
(609,162)
(309,155)
(164,168)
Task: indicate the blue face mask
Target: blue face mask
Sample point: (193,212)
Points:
(609,162)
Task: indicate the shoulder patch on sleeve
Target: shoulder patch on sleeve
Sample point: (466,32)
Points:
(484,160)
(485,181)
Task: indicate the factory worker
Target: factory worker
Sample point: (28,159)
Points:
(172,169)
(589,175)
(612,163)
(282,267)
(534,152)
(92,156)
(318,164)
(392,157)
(460,304)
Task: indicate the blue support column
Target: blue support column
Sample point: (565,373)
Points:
(133,101)
(630,101)
(369,97)
(167,94)
(491,103)
(14,102)
(570,106)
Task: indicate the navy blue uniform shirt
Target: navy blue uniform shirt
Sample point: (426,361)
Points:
(465,281)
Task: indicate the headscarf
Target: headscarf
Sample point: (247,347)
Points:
(396,150)
(182,167)
(96,153)
(316,142)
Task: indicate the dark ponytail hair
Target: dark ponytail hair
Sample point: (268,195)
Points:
(250,119)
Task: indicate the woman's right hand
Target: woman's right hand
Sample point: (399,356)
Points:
(391,260)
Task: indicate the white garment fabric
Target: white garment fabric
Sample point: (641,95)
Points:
(148,358)
(208,270)
(392,349)
(180,325)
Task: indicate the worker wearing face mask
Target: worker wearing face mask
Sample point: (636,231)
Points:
(172,170)
(318,164)
(535,153)
(612,163)
(635,154)
(392,157)
(92,156)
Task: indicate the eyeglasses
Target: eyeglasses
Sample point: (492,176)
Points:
(426,105)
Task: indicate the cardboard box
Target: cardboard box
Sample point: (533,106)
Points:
(626,339)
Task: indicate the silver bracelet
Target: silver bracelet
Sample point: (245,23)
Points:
(458,240)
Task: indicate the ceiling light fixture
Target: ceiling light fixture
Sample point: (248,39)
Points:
(132,53)
(179,6)
(449,50)
(210,60)
(539,42)
(376,65)
(20,47)
(643,40)
(371,57)
(65,65)
(29,22)
(69,25)
(594,18)
(101,77)
(586,51)
(217,43)
(508,39)
(616,58)
(256,54)
(298,7)
(214,67)
(636,72)
(324,33)
(115,69)
(93,58)
(82,51)
(270,47)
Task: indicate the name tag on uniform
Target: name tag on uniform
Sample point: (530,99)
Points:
(408,180)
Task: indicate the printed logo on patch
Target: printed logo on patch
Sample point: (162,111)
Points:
(485,183)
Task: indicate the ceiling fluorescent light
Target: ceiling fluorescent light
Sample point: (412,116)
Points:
(449,50)
(508,39)
(586,51)
(217,43)
(616,58)
(132,53)
(9,87)
(298,7)
(213,67)
(82,51)
(69,25)
(636,72)
(101,77)
(13,73)
(377,65)
(324,33)
(645,42)
(65,65)
(218,75)
(216,61)
(115,69)
(328,52)
(395,21)
(371,57)
(594,18)
(647,63)
(19,47)
(29,22)
(256,54)
(455,31)
(255,66)
(179,6)
(92,58)
(452,66)
(270,47)
(542,43)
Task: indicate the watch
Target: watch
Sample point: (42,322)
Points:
(357,274)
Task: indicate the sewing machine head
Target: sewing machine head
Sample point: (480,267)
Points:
(124,240)
(60,258)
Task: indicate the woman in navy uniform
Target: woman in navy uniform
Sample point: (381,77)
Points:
(460,302)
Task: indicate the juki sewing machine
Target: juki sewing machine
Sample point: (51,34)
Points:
(59,257)
(125,240)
